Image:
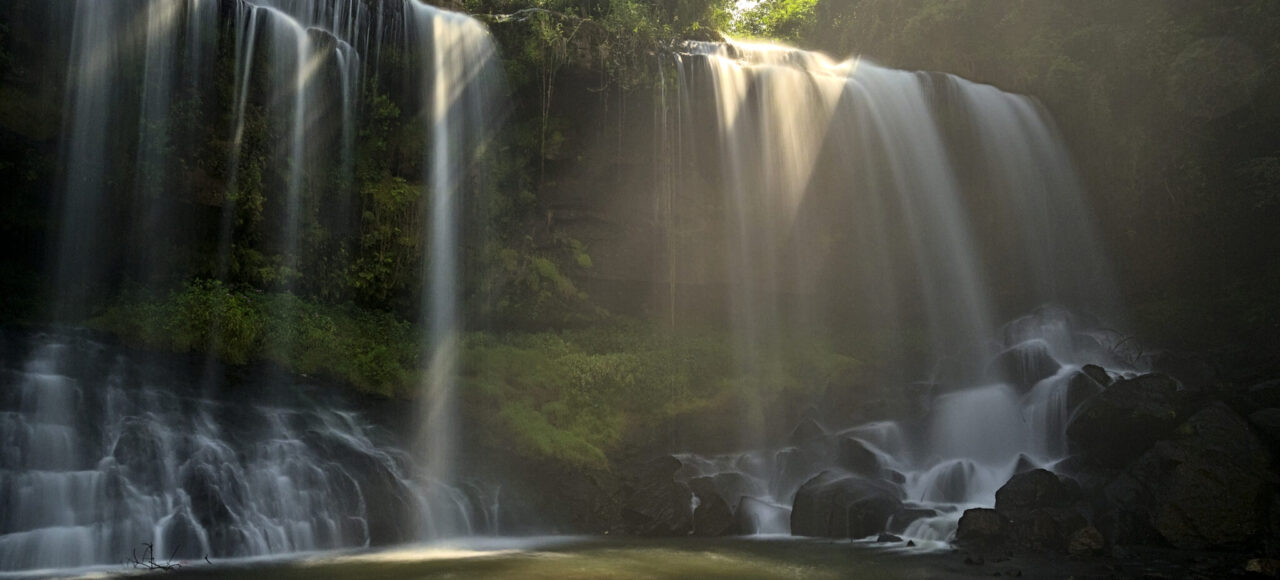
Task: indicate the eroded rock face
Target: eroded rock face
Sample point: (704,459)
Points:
(836,505)
(1119,424)
(1204,488)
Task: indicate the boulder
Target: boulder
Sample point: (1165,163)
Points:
(835,505)
(1038,506)
(1098,374)
(655,504)
(1033,489)
(1081,387)
(950,482)
(1086,541)
(713,517)
(1119,424)
(982,528)
(1026,364)
(1201,489)
(793,466)
(854,456)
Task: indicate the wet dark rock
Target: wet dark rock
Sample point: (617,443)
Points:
(181,539)
(1086,541)
(1026,364)
(389,504)
(843,506)
(1080,388)
(886,538)
(1098,374)
(952,485)
(981,528)
(1034,512)
(138,450)
(794,465)
(1119,424)
(1200,489)
(854,456)
(655,503)
(1037,488)
(208,505)
(713,517)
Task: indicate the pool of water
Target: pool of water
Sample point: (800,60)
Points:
(571,558)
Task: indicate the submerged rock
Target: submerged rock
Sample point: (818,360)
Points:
(1119,424)
(843,506)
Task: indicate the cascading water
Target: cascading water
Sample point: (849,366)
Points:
(943,191)
(101,453)
(135,460)
(460,99)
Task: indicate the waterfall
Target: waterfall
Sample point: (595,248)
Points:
(209,477)
(460,99)
(102,452)
(904,205)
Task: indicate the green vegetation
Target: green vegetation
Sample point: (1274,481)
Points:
(576,396)
(371,350)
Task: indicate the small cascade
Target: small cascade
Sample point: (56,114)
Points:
(971,441)
(861,201)
(101,453)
